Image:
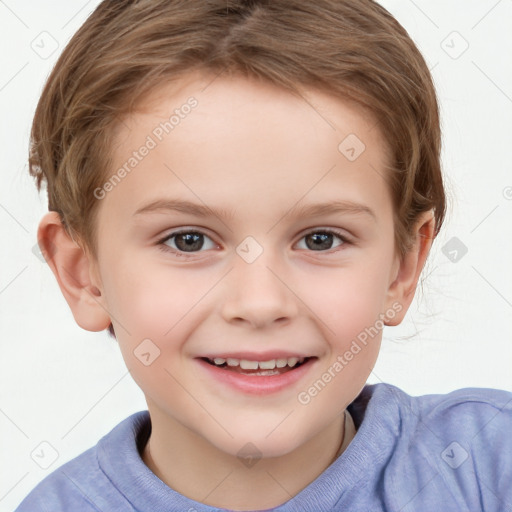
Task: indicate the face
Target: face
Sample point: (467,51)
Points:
(255,230)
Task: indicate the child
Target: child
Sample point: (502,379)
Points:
(244,193)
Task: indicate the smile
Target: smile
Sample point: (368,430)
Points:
(257,377)
(249,367)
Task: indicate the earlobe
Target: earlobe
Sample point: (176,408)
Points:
(401,290)
(71,267)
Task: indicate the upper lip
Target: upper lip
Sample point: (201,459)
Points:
(260,356)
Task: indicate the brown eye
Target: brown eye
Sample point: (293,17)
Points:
(189,241)
(182,242)
(323,240)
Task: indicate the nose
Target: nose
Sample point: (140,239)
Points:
(258,295)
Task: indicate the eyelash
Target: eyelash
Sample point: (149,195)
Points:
(165,248)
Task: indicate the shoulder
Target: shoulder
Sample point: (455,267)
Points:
(469,414)
(459,442)
(467,402)
(63,488)
(452,413)
(81,484)
(476,419)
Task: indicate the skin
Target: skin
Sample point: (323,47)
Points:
(258,151)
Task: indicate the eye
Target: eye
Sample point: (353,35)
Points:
(183,242)
(322,240)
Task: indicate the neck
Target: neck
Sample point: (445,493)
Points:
(195,468)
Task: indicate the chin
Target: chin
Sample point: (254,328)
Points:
(260,442)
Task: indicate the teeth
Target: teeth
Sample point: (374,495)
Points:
(248,365)
(245,364)
(292,361)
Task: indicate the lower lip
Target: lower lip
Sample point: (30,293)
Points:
(258,384)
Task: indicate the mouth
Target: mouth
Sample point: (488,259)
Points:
(256,374)
(249,367)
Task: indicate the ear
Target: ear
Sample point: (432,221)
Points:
(74,272)
(408,269)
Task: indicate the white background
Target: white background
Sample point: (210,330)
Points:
(68,387)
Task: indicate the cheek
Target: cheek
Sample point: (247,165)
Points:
(156,303)
(348,300)
(146,307)
(151,300)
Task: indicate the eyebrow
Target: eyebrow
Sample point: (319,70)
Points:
(200,210)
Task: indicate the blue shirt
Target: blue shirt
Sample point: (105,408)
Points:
(432,453)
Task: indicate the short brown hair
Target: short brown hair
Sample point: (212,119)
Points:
(354,49)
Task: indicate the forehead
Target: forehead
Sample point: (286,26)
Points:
(239,142)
